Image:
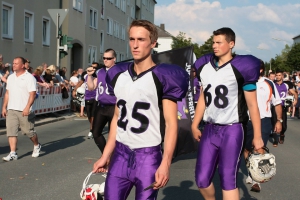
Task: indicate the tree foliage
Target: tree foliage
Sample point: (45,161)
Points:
(181,41)
(293,58)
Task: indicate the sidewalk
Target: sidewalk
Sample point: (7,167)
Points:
(45,119)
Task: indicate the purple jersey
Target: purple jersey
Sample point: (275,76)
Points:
(139,99)
(102,94)
(196,90)
(283,90)
(89,94)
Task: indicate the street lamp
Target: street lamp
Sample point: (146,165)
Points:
(270,58)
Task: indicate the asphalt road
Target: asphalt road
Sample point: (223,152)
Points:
(67,157)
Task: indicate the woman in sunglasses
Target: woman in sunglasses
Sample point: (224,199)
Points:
(105,104)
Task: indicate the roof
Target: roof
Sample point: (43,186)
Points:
(298,36)
(162,32)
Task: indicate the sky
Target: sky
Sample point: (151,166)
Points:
(255,22)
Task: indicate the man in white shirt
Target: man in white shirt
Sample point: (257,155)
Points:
(267,95)
(17,108)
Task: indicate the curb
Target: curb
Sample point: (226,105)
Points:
(45,121)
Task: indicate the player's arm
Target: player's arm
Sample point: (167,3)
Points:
(30,101)
(198,116)
(91,81)
(170,114)
(278,125)
(4,105)
(80,82)
(251,101)
(294,93)
(102,164)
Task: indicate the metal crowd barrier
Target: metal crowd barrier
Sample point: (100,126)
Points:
(48,101)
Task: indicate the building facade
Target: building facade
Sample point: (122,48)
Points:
(27,29)
(296,39)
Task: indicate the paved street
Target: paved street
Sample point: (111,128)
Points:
(67,157)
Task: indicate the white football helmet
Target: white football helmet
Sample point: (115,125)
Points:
(262,167)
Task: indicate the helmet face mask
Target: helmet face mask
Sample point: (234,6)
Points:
(262,167)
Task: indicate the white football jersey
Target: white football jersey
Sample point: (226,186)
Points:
(139,99)
(223,87)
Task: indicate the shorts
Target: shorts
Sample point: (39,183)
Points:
(90,106)
(266,129)
(130,168)
(15,120)
(220,145)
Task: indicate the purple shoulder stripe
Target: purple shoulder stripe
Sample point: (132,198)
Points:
(113,72)
(174,80)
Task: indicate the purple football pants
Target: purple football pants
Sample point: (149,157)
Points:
(130,168)
(220,145)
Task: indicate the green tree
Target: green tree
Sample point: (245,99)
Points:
(293,58)
(182,41)
(206,47)
(280,61)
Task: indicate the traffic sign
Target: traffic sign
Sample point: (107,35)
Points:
(62,14)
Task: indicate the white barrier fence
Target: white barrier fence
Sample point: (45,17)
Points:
(48,101)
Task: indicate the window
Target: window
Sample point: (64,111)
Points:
(123,5)
(132,13)
(102,9)
(109,26)
(123,32)
(111,1)
(77,5)
(28,26)
(101,42)
(93,18)
(46,31)
(116,29)
(117,2)
(7,20)
(92,57)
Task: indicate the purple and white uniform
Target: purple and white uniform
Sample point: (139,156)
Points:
(196,90)
(226,112)
(89,94)
(141,125)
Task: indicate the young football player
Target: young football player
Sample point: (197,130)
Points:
(145,114)
(229,90)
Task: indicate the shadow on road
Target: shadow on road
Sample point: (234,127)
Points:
(53,146)
(185,191)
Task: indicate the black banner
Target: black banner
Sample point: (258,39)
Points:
(186,111)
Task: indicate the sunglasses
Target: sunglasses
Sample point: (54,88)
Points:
(108,58)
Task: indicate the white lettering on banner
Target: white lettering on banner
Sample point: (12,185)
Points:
(190,94)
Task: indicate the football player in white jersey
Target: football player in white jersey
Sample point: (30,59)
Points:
(145,114)
(267,95)
(228,85)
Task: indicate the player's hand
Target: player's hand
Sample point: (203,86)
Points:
(100,166)
(257,143)
(278,127)
(4,112)
(162,175)
(90,71)
(25,112)
(74,93)
(196,133)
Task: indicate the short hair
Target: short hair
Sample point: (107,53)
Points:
(262,67)
(227,32)
(74,72)
(23,60)
(148,26)
(279,71)
(271,73)
(110,50)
